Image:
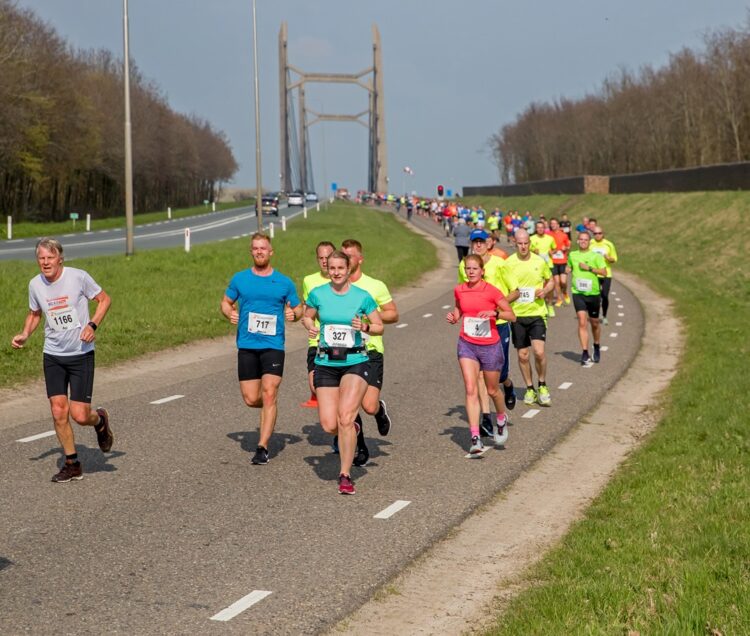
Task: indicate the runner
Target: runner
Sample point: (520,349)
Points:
(607,249)
(559,262)
(544,245)
(62,294)
(258,300)
(586,266)
(528,274)
(565,224)
(342,367)
(461,233)
(479,304)
(310,282)
(371,403)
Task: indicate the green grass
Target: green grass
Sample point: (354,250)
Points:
(29,229)
(164,298)
(666,548)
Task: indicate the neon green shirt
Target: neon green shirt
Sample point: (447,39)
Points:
(542,245)
(605,247)
(494,274)
(378,290)
(527,276)
(585,283)
(309,283)
(493,223)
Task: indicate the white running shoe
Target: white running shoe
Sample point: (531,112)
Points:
(477,448)
(501,433)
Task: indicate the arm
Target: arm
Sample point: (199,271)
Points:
(293,314)
(103,302)
(389,313)
(33,318)
(546,289)
(229,310)
(453,316)
(504,311)
(308,321)
(374,327)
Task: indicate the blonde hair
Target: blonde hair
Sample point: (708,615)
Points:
(51,244)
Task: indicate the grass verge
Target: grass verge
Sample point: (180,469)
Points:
(164,298)
(29,229)
(665,549)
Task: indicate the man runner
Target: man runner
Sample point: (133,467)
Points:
(62,294)
(531,277)
(560,261)
(606,248)
(544,245)
(258,300)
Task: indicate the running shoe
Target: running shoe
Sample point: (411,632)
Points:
(501,435)
(597,354)
(558,303)
(103,432)
(362,456)
(312,403)
(261,456)
(586,360)
(476,446)
(335,445)
(346,485)
(543,396)
(550,311)
(566,298)
(485,426)
(605,322)
(529,398)
(383,420)
(69,472)
(510,397)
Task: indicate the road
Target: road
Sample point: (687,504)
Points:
(175,526)
(204,228)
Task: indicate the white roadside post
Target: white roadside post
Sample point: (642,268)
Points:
(304,212)
(187,239)
(10,227)
(213,206)
(270,230)
(169,213)
(317,207)
(283,224)
(88,223)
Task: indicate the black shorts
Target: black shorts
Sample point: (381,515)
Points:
(311,353)
(376,369)
(253,364)
(76,372)
(558,269)
(331,376)
(526,329)
(589,304)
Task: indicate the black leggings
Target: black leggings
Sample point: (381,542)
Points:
(462,252)
(604,284)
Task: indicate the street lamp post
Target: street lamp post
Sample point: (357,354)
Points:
(259,187)
(129,250)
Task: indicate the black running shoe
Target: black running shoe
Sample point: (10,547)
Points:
(485,427)
(510,397)
(261,456)
(383,420)
(69,472)
(586,360)
(104,433)
(597,354)
(362,456)
(335,445)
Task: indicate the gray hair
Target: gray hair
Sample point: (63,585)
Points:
(51,244)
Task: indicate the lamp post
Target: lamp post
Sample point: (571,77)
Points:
(259,195)
(129,250)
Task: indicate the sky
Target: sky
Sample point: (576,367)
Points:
(454,72)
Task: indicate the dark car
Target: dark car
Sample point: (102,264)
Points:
(270,205)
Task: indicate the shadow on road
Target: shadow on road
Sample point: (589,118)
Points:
(4,563)
(575,356)
(249,441)
(92,459)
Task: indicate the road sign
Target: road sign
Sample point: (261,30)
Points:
(449,193)
(74,216)
(334,186)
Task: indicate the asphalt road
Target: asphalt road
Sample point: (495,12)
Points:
(175,525)
(204,228)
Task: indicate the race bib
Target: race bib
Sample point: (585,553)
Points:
(477,327)
(600,250)
(584,284)
(527,295)
(264,324)
(339,335)
(558,255)
(63,319)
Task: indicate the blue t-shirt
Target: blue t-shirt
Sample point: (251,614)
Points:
(335,313)
(261,306)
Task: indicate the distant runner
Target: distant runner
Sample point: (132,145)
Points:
(606,248)
(62,294)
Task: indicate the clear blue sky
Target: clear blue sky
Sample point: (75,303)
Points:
(454,72)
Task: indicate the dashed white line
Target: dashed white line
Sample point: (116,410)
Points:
(530,413)
(613,335)
(167,399)
(240,606)
(605,348)
(236,236)
(618,324)
(620,314)
(617,299)
(621,306)
(392,509)
(565,385)
(446,306)
(427,316)
(33,438)
(67,235)
(402,325)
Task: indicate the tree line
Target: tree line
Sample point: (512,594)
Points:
(62,132)
(693,111)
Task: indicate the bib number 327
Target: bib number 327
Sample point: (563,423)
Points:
(339,335)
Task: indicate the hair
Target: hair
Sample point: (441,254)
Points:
(586,232)
(352,243)
(324,244)
(260,236)
(474,257)
(554,218)
(339,254)
(51,244)
(592,220)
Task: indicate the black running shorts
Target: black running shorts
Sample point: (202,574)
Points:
(311,353)
(76,372)
(253,364)
(376,369)
(331,376)
(558,269)
(589,304)
(528,328)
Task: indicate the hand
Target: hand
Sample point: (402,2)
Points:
(451,318)
(313,332)
(19,340)
(88,335)
(288,312)
(358,323)
(234,317)
(487,314)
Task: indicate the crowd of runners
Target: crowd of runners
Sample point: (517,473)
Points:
(499,298)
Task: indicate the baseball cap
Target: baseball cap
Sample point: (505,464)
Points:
(479,235)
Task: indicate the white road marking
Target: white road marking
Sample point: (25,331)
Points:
(613,335)
(621,306)
(485,448)
(427,316)
(617,299)
(236,236)
(565,385)
(621,314)
(446,306)
(402,325)
(240,606)
(67,235)
(531,413)
(618,324)
(392,509)
(605,348)
(167,399)
(33,438)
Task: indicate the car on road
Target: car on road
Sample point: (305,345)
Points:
(343,194)
(311,197)
(296,198)
(270,205)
